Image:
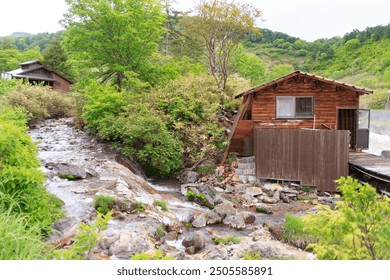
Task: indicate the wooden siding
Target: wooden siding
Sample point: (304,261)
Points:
(327,98)
(312,157)
(60,84)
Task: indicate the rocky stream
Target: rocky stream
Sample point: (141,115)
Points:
(189,228)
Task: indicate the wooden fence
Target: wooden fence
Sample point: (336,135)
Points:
(312,157)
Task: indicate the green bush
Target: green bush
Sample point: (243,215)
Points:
(19,240)
(39,102)
(21,183)
(359,228)
(103,203)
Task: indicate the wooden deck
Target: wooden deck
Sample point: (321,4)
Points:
(375,166)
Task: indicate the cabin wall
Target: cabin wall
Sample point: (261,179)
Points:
(60,84)
(327,99)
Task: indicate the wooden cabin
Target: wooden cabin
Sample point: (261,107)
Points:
(299,127)
(36,72)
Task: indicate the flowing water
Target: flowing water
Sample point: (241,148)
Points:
(60,144)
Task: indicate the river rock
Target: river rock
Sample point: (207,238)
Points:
(233,221)
(65,169)
(254,191)
(195,239)
(222,252)
(224,209)
(191,177)
(200,221)
(130,243)
(263,208)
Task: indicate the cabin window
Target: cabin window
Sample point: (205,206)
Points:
(290,107)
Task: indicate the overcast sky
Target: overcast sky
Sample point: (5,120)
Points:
(306,19)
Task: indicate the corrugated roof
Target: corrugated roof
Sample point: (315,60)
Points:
(300,73)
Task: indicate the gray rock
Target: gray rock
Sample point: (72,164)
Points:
(225,209)
(191,177)
(171,236)
(263,208)
(200,221)
(195,239)
(254,191)
(71,170)
(236,222)
(129,243)
(213,218)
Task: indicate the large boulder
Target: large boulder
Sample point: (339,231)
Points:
(191,177)
(68,171)
(233,221)
(200,221)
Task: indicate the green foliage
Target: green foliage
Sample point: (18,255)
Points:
(226,240)
(103,203)
(200,197)
(217,29)
(158,255)
(19,239)
(39,102)
(161,203)
(21,183)
(190,195)
(205,170)
(294,232)
(139,207)
(358,228)
(6,86)
(68,177)
(251,255)
(114,36)
(118,117)
(86,238)
(11,58)
(160,231)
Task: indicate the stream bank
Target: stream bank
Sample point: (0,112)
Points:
(188,232)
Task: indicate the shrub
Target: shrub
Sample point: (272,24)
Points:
(39,102)
(139,207)
(294,232)
(205,170)
(103,203)
(359,228)
(21,183)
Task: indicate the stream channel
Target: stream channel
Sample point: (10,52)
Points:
(61,145)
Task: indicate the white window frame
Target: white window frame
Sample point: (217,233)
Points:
(291,113)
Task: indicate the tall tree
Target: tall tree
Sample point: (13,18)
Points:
(116,36)
(219,26)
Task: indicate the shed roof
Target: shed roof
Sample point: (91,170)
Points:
(300,73)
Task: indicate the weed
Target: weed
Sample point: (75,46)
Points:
(229,239)
(139,207)
(161,203)
(251,255)
(200,197)
(158,255)
(205,170)
(103,203)
(160,231)
(190,195)
(68,177)
(306,188)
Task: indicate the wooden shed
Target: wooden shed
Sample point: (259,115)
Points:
(274,120)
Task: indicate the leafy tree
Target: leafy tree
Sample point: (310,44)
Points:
(115,36)
(218,27)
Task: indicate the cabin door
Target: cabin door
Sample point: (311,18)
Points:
(347,120)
